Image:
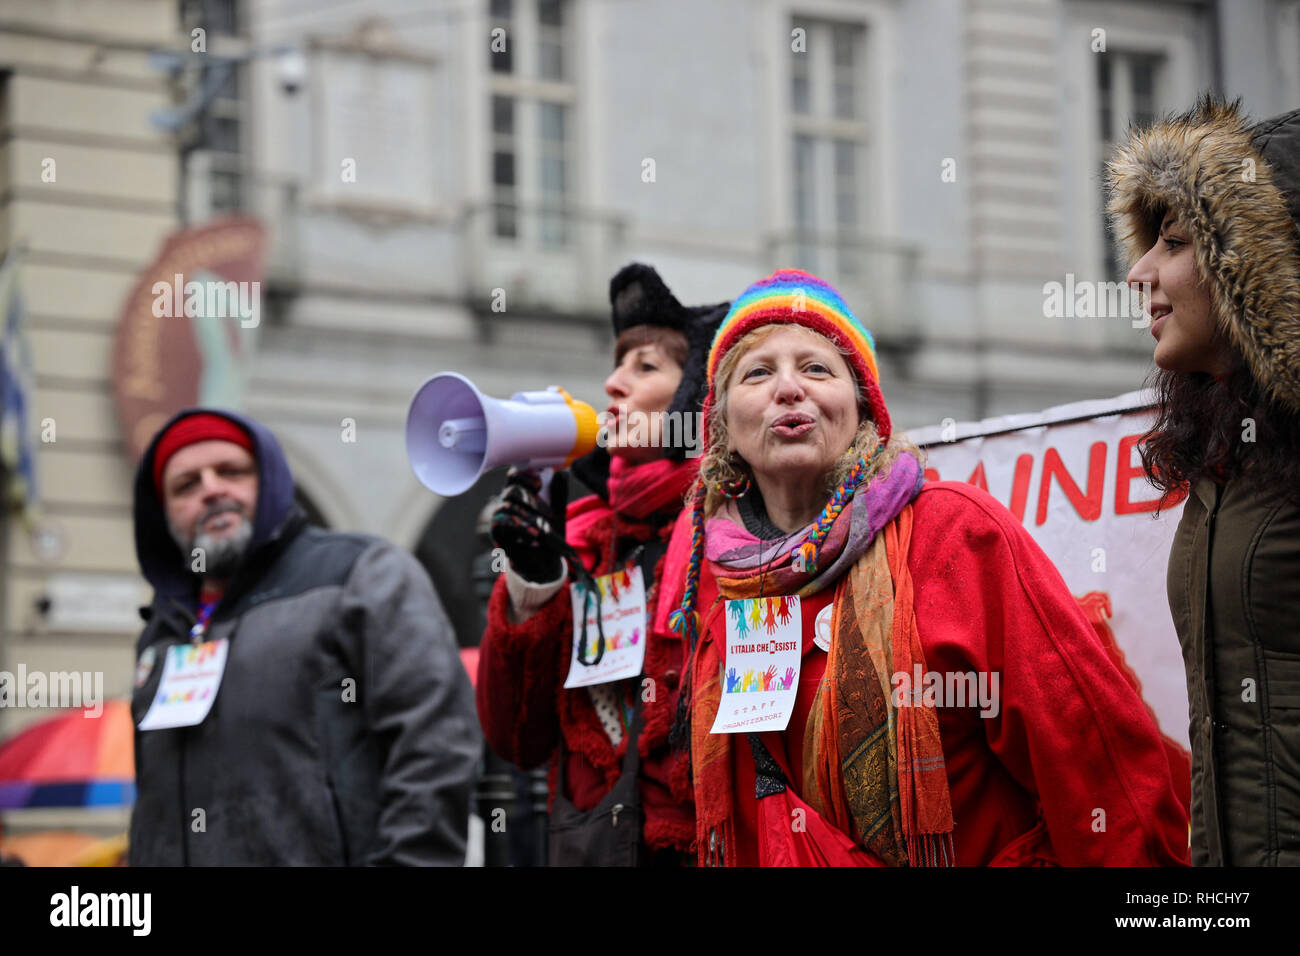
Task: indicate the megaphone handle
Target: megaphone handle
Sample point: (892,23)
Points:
(559,503)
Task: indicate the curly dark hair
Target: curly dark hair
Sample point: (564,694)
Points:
(1202,428)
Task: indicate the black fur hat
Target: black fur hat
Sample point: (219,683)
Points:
(637,296)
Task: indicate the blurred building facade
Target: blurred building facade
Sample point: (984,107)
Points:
(450,185)
(89,195)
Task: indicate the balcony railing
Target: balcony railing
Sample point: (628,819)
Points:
(558,260)
(547,258)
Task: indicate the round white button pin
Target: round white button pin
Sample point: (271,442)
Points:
(822,627)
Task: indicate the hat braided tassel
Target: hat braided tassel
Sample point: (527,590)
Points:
(686,621)
(842,496)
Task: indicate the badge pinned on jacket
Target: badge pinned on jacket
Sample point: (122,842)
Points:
(623,622)
(761,666)
(822,627)
(188,689)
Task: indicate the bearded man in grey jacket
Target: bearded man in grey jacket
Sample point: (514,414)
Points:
(299,699)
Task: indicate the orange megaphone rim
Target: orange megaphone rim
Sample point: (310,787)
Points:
(588,428)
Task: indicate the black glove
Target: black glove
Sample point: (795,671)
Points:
(523,526)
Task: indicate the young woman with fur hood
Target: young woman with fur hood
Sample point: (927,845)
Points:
(1208,208)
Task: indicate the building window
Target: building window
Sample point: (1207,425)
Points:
(217,158)
(846,60)
(502,17)
(1128,93)
(504,153)
(552,140)
(550,39)
(215,16)
(223,138)
(829,133)
(532,97)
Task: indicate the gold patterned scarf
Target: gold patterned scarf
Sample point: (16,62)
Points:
(874,769)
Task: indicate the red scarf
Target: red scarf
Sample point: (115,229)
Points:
(636,491)
(638,495)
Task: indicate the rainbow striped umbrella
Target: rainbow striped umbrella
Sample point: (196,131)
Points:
(71,761)
(66,848)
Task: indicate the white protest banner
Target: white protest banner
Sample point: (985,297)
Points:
(1073,477)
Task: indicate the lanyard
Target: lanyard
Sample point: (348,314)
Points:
(201,619)
(626,692)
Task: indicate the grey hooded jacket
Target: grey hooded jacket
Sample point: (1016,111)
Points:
(343,732)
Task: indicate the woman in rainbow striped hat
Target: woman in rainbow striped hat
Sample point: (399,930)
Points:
(934,695)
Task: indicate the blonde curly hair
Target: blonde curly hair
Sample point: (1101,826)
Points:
(719,466)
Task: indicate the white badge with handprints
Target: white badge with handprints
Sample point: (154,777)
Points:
(190,680)
(622,618)
(761,669)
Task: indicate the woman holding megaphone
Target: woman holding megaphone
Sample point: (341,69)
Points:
(619,796)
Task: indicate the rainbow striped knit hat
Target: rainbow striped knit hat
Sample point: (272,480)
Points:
(789,296)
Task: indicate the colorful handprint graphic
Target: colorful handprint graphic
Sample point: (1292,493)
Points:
(783,610)
(737,611)
(756,680)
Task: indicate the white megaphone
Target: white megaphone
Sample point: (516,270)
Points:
(454,433)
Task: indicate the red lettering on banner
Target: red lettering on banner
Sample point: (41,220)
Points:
(1020,486)
(1087,505)
(1019,482)
(1125,472)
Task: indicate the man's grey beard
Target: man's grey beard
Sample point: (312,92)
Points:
(221,555)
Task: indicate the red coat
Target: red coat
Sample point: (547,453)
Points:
(1072,768)
(524,707)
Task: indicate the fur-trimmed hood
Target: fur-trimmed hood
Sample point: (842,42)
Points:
(1236,188)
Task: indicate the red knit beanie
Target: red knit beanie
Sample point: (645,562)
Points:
(188,431)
